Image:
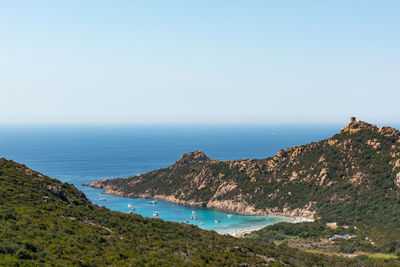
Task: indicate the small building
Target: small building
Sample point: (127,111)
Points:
(345,237)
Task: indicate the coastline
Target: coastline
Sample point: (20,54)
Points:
(293,216)
(241,232)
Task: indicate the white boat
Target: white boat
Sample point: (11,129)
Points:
(201,223)
(229,216)
(130,205)
(103,199)
(155,214)
(217,221)
(193,216)
(153,202)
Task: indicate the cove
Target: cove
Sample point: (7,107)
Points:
(207,219)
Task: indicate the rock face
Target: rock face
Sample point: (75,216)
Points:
(196,157)
(355,126)
(295,182)
(397,180)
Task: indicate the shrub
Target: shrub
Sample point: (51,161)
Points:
(24,254)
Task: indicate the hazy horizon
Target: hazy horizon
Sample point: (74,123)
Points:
(208,62)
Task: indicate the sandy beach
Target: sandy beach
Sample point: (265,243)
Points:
(246,230)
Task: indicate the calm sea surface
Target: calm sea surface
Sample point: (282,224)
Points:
(81,154)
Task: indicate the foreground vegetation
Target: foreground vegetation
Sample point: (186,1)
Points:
(314,237)
(46,222)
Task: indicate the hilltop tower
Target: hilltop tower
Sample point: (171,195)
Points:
(352,119)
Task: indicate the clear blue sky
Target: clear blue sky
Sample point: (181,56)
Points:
(206,61)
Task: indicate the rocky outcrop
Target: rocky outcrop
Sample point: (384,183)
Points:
(358,178)
(397,180)
(356,126)
(97,183)
(374,143)
(196,157)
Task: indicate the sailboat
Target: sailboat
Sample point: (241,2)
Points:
(193,216)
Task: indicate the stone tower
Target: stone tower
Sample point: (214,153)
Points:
(352,119)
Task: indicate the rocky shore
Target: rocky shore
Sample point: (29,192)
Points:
(240,208)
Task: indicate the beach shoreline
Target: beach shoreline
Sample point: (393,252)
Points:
(241,232)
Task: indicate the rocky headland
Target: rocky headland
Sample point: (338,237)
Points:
(297,182)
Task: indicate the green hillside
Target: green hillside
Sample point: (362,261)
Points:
(44,222)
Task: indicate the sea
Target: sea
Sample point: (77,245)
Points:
(79,154)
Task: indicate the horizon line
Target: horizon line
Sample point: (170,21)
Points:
(383,123)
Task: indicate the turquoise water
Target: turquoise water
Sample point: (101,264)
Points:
(179,213)
(78,154)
